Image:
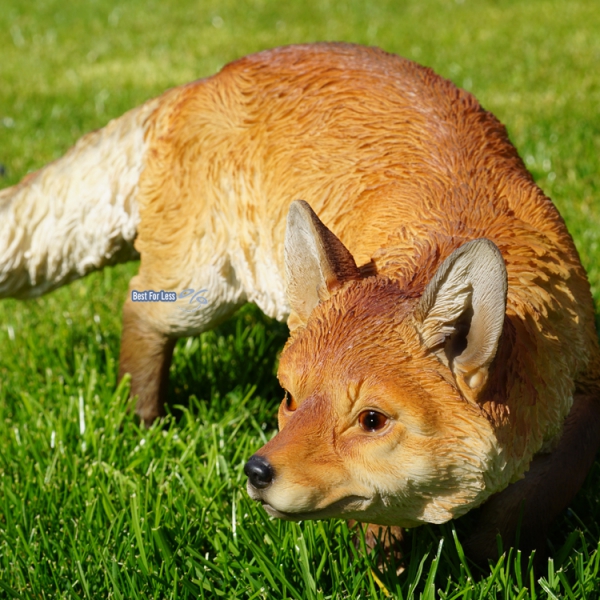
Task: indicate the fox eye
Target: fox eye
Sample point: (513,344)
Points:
(290,403)
(371,420)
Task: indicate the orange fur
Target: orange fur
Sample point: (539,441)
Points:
(405,169)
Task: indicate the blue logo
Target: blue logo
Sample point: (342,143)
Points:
(195,297)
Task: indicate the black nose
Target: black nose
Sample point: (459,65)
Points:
(259,472)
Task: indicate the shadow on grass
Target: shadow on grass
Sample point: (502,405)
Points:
(238,356)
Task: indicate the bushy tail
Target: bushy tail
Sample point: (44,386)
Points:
(77,214)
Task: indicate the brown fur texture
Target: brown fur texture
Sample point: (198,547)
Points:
(402,169)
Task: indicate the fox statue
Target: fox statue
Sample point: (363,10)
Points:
(443,352)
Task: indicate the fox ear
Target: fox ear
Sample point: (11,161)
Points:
(316,262)
(461,313)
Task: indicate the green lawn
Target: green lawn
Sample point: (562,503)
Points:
(93,506)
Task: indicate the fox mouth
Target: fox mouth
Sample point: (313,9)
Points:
(349,506)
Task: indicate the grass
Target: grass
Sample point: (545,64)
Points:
(93,506)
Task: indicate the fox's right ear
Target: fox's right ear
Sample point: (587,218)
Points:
(460,316)
(316,262)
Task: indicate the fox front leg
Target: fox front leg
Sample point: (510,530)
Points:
(386,540)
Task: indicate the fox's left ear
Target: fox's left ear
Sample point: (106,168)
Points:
(316,262)
(461,313)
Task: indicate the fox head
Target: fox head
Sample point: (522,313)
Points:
(380,420)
